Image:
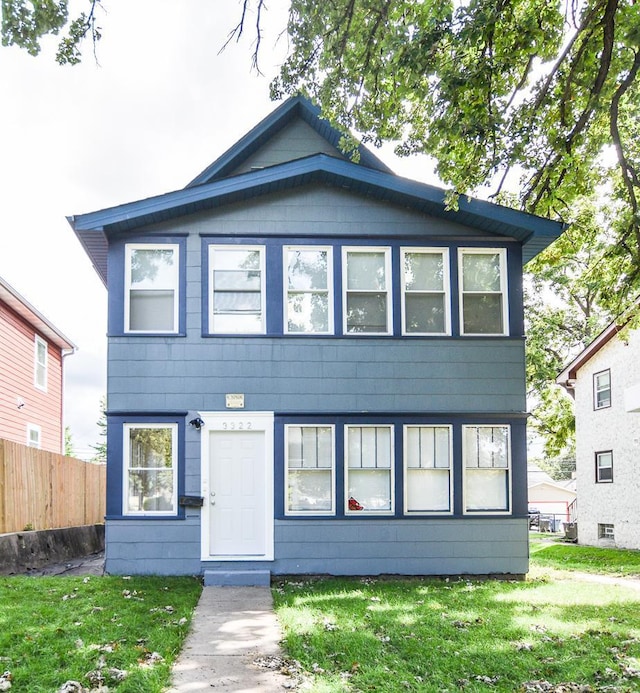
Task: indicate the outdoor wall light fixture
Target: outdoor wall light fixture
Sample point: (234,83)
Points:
(197,423)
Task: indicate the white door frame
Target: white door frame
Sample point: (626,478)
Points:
(240,421)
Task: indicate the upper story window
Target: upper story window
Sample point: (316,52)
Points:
(483,295)
(425,291)
(34,436)
(604,466)
(310,470)
(150,469)
(602,390)
(308,293)
(427,460)
(487,463)
(151,291)
(366,282)
(40,363)
(369,469)
(236,289)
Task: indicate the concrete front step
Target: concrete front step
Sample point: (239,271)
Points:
(237,578)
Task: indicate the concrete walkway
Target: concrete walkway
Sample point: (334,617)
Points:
(232,644)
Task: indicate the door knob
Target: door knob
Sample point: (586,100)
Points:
(212,495)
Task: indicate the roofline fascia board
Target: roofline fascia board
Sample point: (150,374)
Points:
(318,163)
(566,378)
(34,317)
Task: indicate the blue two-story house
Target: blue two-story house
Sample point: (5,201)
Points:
(314,367)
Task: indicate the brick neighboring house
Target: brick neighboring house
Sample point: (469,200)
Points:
(314,367)
(32,352)
(604,380)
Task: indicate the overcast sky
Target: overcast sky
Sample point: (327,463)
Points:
(160,106)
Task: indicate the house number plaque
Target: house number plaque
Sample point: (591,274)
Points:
(234,401)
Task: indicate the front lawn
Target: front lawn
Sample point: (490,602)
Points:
(123,633)
(589,559)
(429,635)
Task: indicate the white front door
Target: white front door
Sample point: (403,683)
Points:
(238,487)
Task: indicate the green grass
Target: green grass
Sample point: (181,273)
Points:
(429,635)
(585,558)
(55,629)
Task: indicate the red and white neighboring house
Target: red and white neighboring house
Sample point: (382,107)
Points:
(32,352)
(604,380)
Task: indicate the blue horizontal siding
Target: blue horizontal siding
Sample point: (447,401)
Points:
(339,547)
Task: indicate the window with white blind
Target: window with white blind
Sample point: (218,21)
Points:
(487,465)
(236,289)
(151,288)
(425,291)
(369,469)
(427,470)
(367,290)
(310,470)
(483,291)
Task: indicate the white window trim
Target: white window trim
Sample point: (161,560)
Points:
(38,341)
(508,469)
(33,428)
(388,290)
(127,286)
(412,513)
(599,468)
(331,512)
(446,290)
(263,286)
(502,252)
(367,513)
(285,285)
(125,469)
(597,390)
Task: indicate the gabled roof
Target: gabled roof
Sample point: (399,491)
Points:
(27,312)
(369,177)
(296,107)
(570,372)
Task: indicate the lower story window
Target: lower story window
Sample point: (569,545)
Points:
(486,468)
(310,471)
(34,435)
(605,532)
(427,458)
(369,469)
(150,468)
(604,467)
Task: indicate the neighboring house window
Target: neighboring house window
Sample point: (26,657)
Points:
(486,468)
(602,390)
(237,289)
(604,466)
(427,460)
(151,293)
(308,299)
(425,286)
(605,531)
(310,470)
(366,281)
(369,469)
(34,434)
(483,299)
(40,364)
(150,468)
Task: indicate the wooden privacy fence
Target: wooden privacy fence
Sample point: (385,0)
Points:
(43,490)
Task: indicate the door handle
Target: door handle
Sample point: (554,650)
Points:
(212,495)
